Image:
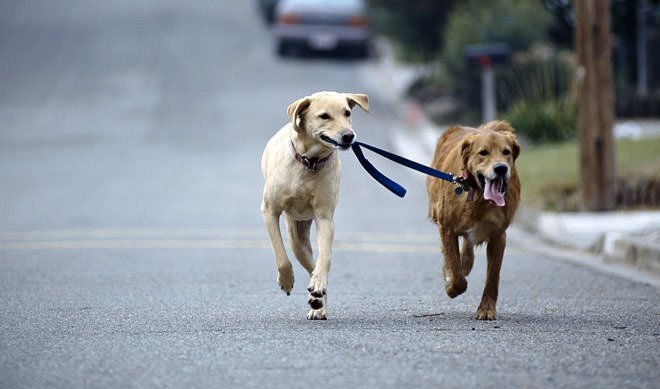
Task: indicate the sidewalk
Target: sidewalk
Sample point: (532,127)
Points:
(621,238)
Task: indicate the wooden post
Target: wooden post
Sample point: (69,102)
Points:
(595,104)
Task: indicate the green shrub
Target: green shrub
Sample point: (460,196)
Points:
(543,121)
(538,92)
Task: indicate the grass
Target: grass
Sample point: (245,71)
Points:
(549,172)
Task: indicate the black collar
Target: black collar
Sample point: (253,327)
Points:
(314,164)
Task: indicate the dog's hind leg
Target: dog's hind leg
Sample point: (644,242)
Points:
(300,243)
(467,257)
(285,277)
(495,254)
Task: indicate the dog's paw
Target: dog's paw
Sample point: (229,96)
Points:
(486,310)
(486,314)
(285,280)
(317,286)
(317,314)
(315,303)
(318,305)
(455,287)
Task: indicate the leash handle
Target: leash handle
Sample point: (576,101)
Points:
(378,176)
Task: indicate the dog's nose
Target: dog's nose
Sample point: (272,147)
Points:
(501,169)
(347,137)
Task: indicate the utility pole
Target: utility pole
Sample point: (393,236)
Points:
(642,58)
(595,104)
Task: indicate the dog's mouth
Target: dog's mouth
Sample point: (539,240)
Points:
(494,189)
(342,146)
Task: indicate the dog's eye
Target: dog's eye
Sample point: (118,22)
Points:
(483,153)
(506,152)
(324,116)
(347,113)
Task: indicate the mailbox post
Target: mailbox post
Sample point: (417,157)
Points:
(485,56)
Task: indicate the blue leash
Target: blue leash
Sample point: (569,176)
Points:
(393,186)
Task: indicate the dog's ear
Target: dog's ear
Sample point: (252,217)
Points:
(358,99)
(515,146)
(466,149)
(295,110)
(506,128)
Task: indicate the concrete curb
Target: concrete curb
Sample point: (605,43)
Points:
(641,250)
(629,238)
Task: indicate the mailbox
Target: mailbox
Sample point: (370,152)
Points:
(488,54)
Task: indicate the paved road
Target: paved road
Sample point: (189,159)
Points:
(132,252)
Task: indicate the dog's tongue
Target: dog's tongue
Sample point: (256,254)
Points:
(493,192)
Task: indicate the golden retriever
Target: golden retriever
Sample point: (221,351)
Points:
(301,169)
(486,157)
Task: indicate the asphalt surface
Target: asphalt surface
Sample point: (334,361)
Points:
(132,252)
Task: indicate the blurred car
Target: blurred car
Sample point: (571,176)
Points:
(322,25)
(267,8)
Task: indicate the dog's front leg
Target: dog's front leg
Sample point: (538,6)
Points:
(318,284)
(285,270)
(495,254)
(455,282)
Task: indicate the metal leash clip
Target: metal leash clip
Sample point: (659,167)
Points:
(462,185)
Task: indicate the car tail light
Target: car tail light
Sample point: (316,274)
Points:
(358,21)
(288,19)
